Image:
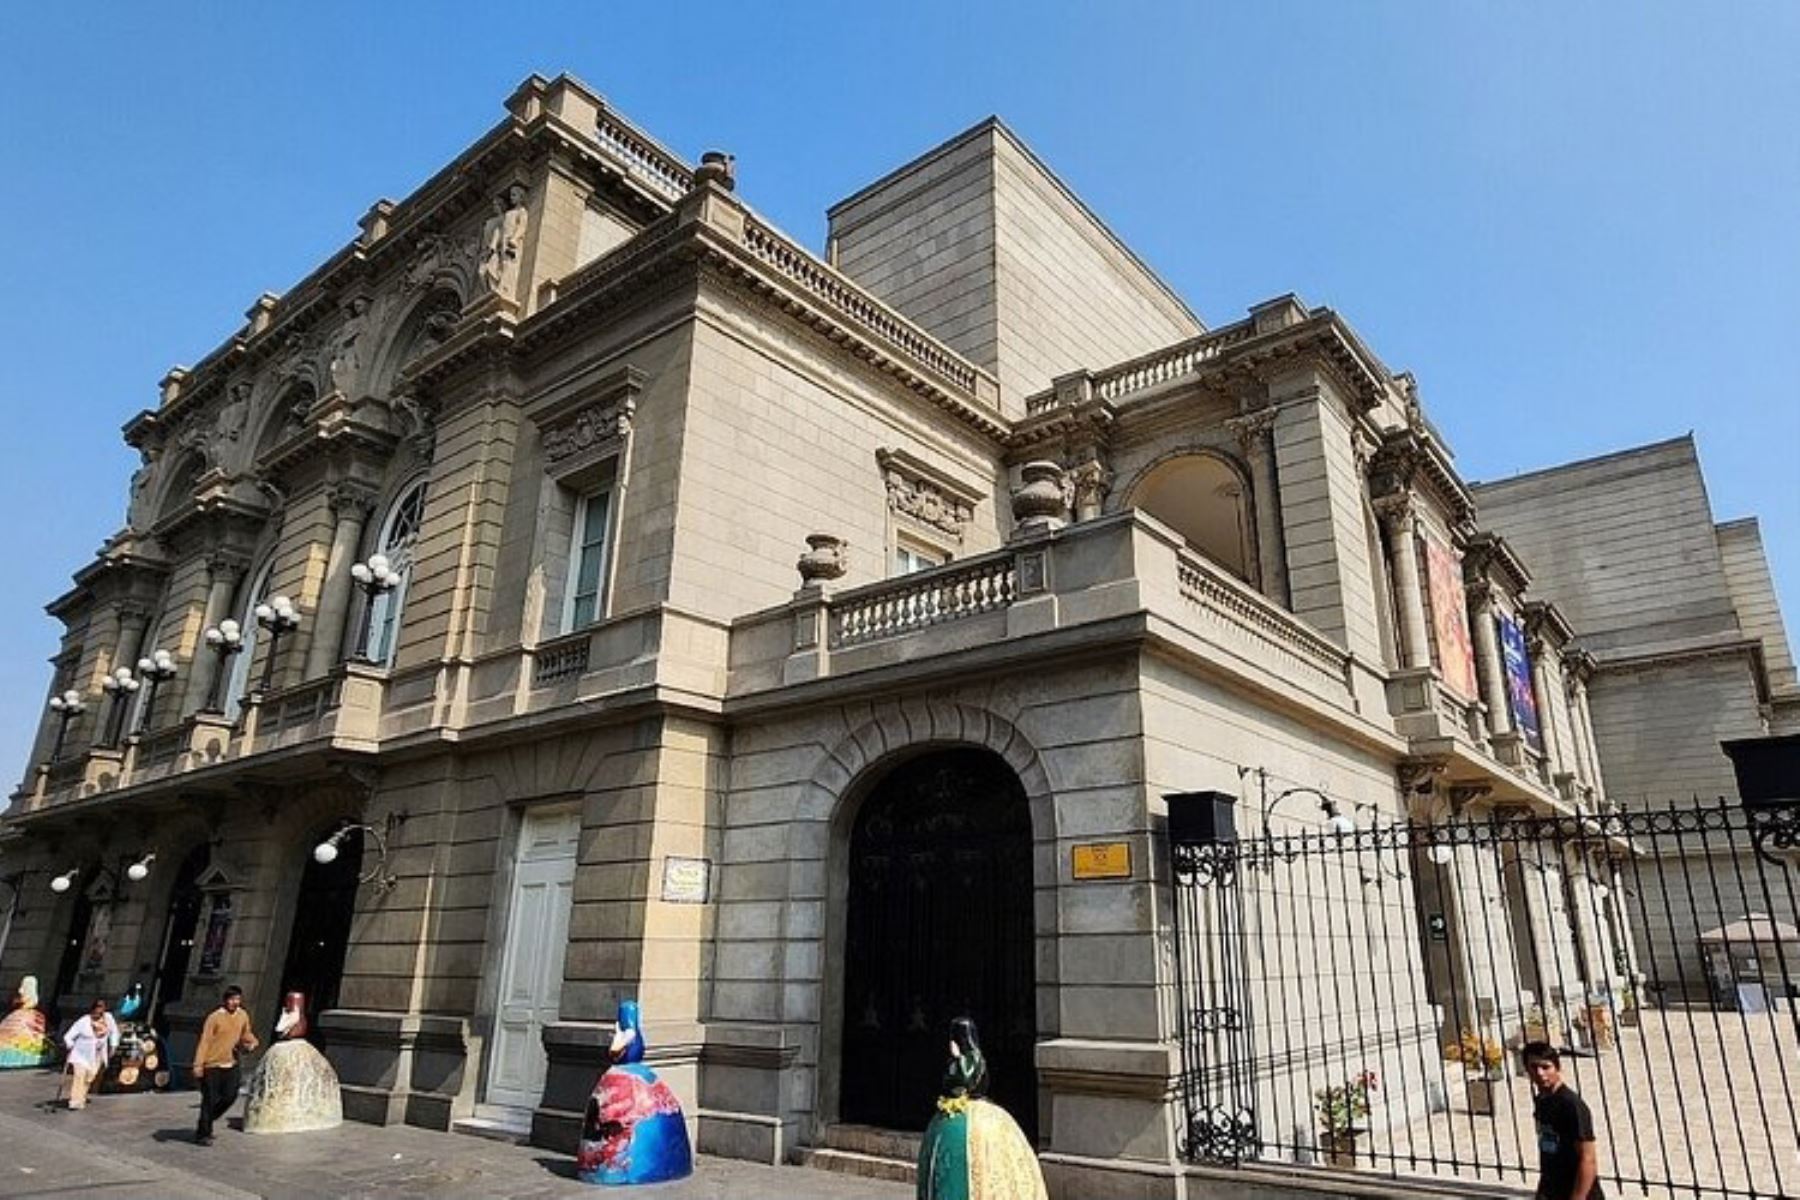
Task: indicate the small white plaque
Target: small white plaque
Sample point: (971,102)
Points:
(686,880)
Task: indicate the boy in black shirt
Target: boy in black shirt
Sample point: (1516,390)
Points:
(1568,1166)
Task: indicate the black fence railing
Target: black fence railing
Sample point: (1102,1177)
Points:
(1357,997)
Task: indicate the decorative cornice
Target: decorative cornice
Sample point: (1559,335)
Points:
(1407,458)
(1487,555)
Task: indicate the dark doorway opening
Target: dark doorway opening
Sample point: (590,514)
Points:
(69,967)
(179,928)
(938,925)
(321,935)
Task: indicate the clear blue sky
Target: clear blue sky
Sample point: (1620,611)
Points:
(1579,225)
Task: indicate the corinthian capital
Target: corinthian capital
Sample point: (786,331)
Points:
(1396,510)
(1253,429)
(351,500)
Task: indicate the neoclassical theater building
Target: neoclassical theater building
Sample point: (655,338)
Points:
(801,645)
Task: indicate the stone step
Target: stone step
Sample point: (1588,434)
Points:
(865,1166)
(870,1140)
(493,1130)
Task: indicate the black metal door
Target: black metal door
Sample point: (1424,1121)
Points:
(321,937)
(939,925)
(185,902)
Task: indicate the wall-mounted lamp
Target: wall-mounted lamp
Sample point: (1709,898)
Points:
(139,871)
(121,686)
(226,639)
(326,852)
(1441,853)
(156,669)
(62,883)
(376,578)
(1336,819)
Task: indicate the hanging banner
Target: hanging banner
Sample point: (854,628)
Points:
(1521,702)
(1450,619)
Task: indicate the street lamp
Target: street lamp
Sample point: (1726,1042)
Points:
(376,578)
(326,852)
(67,707)
(280,618)
(226,639)
(157,669)
(121,686)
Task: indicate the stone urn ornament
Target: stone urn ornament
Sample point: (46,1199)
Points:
(824,559)
(1040,503)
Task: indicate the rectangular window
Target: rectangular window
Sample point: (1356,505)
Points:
(587,561)
(909,558)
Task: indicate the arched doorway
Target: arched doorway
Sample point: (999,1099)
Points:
(938,923)
(68,968)
(321,935)
(179,928)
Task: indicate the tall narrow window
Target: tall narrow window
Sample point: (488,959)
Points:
(910,556)
(398,535)
(587,561)
(239,680)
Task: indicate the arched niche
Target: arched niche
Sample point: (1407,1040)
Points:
(425,324)
(1204,498)
(180,487)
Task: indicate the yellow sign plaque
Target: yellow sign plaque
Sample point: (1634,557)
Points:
(1102,860)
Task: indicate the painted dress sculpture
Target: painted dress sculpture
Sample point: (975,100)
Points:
(973,1149)
(294,1089)
(24,1033)
(634,1131)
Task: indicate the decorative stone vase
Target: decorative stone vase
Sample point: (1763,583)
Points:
(1340,1148)
(1041,503)
(823,560)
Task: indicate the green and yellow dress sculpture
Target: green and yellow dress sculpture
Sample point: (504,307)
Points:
(973,1149)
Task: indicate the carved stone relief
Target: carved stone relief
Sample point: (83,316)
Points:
(914,494)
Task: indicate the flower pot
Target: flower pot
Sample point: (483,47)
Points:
(1339,1148)
(1600,1026)
(1628,1017)
(1481,1096)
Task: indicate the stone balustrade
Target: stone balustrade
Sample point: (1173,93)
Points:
(919,601)
(642,159)
(1151,370)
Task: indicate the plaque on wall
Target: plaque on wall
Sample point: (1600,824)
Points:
(686,880)
(1101,860)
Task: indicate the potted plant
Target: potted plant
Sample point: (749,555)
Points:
(1534,1026)
(1340,1106)
(1481,1057)
(1628,1007)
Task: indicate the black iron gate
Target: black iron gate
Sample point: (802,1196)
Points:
(1356,994)
(939,925)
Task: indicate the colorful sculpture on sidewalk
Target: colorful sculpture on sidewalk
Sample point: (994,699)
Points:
(24,1032)
(294,1089)
(634,1131)
(973,1149)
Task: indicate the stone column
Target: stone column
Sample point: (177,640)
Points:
(1256,435)
(1584,724)
(224,571)
(1398,519)
(351,503)
(134,622)
(1488,663)
(1546,702)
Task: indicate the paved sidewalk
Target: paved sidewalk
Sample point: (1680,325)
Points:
(140,1148)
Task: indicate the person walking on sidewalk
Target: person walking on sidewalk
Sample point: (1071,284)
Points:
(1568,1163)
(90,1042)
(225,1035)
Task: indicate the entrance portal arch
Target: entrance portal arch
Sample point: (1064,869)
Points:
(938,924)
(321,933)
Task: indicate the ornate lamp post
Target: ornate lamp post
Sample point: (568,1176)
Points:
(226,639)
(67,707)
(280,618)
(121,685)
(157,670)
(376,578)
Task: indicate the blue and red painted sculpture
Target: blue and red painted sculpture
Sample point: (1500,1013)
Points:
(634,1131)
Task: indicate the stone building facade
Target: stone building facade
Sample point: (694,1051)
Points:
(1684,644)
(770,633)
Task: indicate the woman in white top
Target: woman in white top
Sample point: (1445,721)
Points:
(90,1041)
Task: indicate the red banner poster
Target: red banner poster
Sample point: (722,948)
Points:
(1450,619)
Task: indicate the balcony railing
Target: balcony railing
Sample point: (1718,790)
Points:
(1239,616)
(920,601)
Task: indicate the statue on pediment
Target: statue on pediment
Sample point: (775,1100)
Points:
(346,352)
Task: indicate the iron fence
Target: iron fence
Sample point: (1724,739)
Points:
(1358,997)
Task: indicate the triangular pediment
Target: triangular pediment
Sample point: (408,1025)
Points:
(220,876)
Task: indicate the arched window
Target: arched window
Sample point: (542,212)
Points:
(1202,499)
(238,682)
(399,532)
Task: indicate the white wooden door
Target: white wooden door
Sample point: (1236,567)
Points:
(531,969)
